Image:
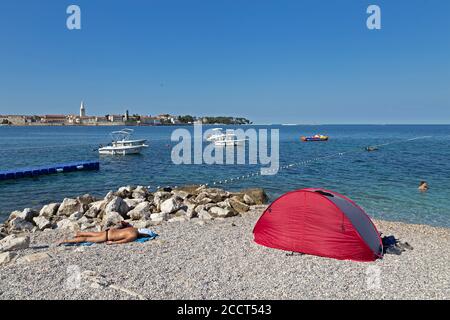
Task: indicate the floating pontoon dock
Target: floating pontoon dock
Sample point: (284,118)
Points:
(58,168)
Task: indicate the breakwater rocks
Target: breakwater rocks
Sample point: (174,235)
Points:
(135,205)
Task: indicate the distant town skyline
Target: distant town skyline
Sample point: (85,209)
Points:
(305,62)
(85,119)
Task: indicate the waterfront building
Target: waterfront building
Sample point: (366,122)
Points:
(115,118)
(88,120)
(101,119)
(149,121)
(174,120)
(54,119)
(18,120)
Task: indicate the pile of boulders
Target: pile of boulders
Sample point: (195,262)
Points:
(135,205)
(10,245)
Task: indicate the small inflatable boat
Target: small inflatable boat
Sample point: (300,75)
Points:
(317,137)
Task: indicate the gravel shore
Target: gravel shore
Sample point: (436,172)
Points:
(219,260)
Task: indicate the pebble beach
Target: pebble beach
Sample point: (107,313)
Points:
(218,259)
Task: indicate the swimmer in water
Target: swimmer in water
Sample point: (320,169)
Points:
(423,186)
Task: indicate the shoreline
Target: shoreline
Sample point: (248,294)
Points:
(4,218)
(216,258)
(219,260)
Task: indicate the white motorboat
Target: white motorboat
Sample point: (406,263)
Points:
(124,150)
(217,134)
(122,144)
(228,139)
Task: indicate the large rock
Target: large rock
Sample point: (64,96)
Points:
(70,206)
(19,225)
(150,198)
(27,214)
(159,217)
(141,211)
(14,214)
(248,200)
(132,203)
(95,208)
(14,242)
(117,205)
(125,192)
(190,210)
(205,207)
(223,204)
(42,222)
(258,195)
(2,228)
(49,210)
(181,212)
(190,189)
(237,205)
(161,196)
(204,215)
(140,193)
(199,208)
(181,194)
(201,198)
(86,223)
(86,199)
(67,224)
(111,220)
(204,200)
(218,212)
(178,219)
(216,194)
(170,205)
(76,216)
(109,196)
(7,257)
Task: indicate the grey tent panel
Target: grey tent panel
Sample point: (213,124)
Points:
(360,221)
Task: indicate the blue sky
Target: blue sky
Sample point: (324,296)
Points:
(270,61)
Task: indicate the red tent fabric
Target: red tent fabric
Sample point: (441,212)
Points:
(319,222)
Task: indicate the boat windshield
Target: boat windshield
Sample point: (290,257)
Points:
(121,135)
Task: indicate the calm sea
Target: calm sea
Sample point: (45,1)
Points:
(383,182)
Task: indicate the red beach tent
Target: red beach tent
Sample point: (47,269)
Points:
(319,222)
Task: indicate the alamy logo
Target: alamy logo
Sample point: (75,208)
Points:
(73,280)
(373,280)
(73,22)
(232,145)
(374,20)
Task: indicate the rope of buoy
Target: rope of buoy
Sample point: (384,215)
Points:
(305,163)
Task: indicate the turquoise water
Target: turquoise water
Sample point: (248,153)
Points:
(384,182)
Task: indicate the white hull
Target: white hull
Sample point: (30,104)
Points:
(226,143)
(122,150)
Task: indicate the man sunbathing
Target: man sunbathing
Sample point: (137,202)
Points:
(120,235)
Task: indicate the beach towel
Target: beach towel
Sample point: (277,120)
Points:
(79,244)
(151,236)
